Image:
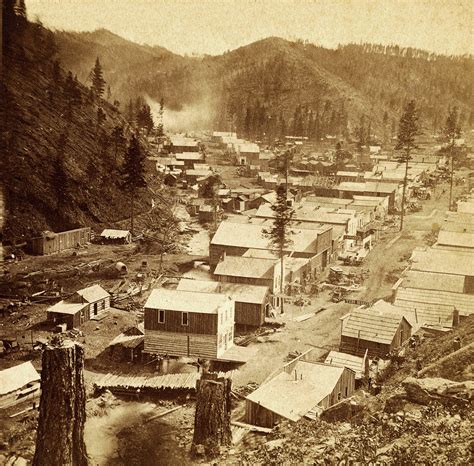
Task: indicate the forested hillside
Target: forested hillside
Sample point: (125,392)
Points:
(63,146)
(276,87)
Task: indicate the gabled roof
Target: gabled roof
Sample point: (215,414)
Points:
(185,301)
(239,292)
(371,325)
(16,377)
(433,281)
(64,307)
(189,156)
(93,293)
(249,267)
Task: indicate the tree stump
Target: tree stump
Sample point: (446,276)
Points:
(212,418)
(60,435)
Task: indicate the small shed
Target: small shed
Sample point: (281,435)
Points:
(112,236)
(301,388)
(128,346)
(373,331)
(360,365)
(18,383)
(50,242)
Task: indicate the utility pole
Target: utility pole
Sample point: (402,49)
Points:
(451,150)
(405,181)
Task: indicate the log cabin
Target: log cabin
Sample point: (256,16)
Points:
(188,324)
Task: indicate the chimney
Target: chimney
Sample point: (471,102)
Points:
(455,317)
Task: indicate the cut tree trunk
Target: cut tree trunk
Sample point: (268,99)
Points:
(212,420)
(60,435)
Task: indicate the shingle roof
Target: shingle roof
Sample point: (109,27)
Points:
(350,361)
(93,293)
(433,281)
(371,325)
(368,186)
(443,261)
(64,307)
(251,267)
(16,377)
(185,301)
(239,292)
(456,238)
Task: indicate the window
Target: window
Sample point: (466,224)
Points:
(184,318)
(339,396)
(161,317)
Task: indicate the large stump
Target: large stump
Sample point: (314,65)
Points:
(60,435)
(212,419)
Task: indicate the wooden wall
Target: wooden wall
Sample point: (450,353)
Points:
(351,346)
(61,241)
(346,381)
(216,251)
(249,314)
(259,416)
(180,344)
(204,324)
(246,280)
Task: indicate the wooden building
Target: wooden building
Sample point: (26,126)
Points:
(111,236)
(374,331)
(251,301)
(18,383)
(235,239)
(302,387)
(50,242)
(188,324)
(92,302)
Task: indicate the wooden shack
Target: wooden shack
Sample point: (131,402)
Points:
(50,242)
(92,302)
(191,324)
(373,331)
(302,387)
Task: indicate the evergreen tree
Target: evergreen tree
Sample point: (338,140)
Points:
(407,132)
(118,139)
(280,231)
(133,173)
(97,78)
(452,131)
(145,118)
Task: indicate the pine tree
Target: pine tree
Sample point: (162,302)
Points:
(452,131)
(160,130)
(279,233)
(118,140)
(97,78)
(133,173)
(407,132)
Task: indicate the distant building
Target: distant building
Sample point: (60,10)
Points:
(50,242)
(116,236)
(186,323)
(248,154)
(182,144)
(190,158)
(89,303)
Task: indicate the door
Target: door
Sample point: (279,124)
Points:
(95,308)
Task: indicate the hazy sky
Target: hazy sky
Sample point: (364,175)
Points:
(214,26)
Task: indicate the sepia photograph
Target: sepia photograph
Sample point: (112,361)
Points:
(236,232)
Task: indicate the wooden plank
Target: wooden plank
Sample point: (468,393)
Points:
(252,428)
